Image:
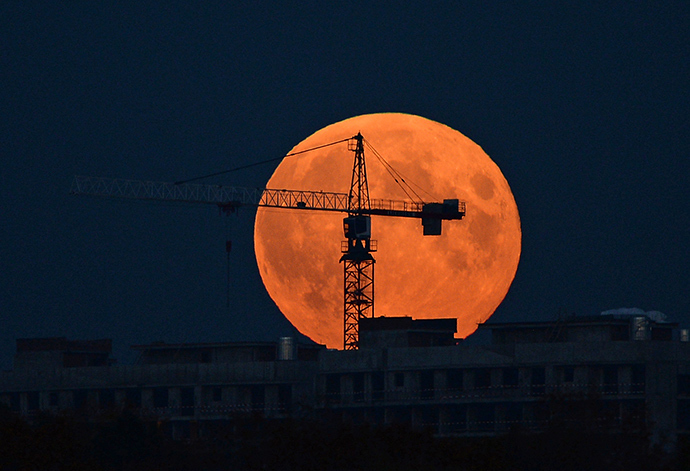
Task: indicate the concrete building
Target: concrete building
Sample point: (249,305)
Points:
(612,372)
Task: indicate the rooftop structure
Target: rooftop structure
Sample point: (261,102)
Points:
(583,329)
(387,332)
(59,352)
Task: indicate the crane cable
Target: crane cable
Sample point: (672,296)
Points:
(397,176)
(242,167)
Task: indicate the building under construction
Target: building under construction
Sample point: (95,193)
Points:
(615,372)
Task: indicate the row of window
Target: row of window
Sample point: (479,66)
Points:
(501,416)
(183,399)
(430,384)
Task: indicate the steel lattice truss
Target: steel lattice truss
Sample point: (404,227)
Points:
(359,298)
(230,196)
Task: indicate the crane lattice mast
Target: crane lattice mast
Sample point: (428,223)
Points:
(357,260)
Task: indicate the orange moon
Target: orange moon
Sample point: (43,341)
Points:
(464,273)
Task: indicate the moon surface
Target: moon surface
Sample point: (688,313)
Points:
(464,273)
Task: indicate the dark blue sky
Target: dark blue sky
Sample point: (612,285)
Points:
(585,109)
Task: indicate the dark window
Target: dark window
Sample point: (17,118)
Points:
(15,402)
(217,394)
(133,397)
(54,399)
(428,416)
(540,412)
(683,414)
(638,379)
(426,384)
(513,413)
(510,377)
(633,412)
(620,332)
(610,380)
(454,379)
(484,414)
(32,400)
(106,398)
(358,387)
(594,377)
(181,430)
(662,334)
(568,374)
(258,397)
(266,354)
(354,415)
(160,397)
(538,381)
(457,418)
(399,380)
(377,386)
(377,415)
(684,385)
(79,398)
(482,378)
(285,397)
(399,415)
(333,387)
(206,356)
(610,412)
(187,400)
(307,354)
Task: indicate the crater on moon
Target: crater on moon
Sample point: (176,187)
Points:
(483,186)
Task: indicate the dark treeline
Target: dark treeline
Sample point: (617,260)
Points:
(123,441)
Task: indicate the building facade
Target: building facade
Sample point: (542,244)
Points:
(608,372)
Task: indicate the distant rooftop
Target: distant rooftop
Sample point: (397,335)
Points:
(607,327)
(63,344)
(388,332)
(226,352)
(40,353)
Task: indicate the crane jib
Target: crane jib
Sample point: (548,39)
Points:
(230,198)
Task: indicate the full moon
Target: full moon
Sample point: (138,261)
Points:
(464,273)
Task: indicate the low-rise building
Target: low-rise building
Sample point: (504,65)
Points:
(610,372)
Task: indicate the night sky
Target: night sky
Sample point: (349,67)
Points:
(585,109)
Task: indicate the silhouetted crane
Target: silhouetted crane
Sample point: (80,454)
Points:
(356,251)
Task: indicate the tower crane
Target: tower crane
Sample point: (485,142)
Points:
(357,258)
